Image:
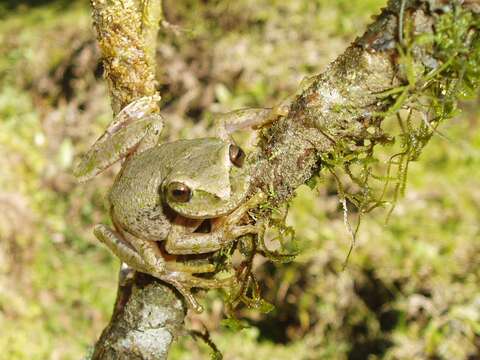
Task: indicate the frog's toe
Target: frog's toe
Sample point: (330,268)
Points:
(191,267)
(184,282)
(238,231)
(184,290)
(189,298)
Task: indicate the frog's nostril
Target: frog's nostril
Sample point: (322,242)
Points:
(205,227)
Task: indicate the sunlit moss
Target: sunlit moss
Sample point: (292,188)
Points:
(434,82)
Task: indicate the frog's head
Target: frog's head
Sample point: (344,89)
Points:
(208,179)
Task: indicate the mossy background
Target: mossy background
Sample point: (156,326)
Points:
(411,287)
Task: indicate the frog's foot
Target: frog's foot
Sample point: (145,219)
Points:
(257,118)
(235,217)
(227,123)
(184,282)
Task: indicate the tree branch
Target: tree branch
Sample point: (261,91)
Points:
(337,118)
(340,115)
(148,314)
(126,33)
(147,318)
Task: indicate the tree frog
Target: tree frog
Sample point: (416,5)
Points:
(184,197)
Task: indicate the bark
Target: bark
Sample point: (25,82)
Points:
(339,114)
(148,314)
(126,31)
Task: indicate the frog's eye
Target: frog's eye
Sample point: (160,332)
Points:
(179,192)
(237,156)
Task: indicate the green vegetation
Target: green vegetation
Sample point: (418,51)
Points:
(410,287)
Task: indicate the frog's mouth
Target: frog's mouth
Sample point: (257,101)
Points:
(205,226)
(200,226)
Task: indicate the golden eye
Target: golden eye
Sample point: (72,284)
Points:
(237,156)
(179,192)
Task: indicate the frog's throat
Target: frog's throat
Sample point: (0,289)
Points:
(202,226)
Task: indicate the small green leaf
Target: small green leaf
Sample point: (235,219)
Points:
(263,306)
(234,324)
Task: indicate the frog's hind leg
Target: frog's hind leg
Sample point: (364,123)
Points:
(227,123)
(118,246)
(172,272)
(149,252)
(145,256)
(136,128)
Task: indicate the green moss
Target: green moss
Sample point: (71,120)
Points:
(439,69)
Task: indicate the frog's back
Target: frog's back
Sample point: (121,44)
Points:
(134,198)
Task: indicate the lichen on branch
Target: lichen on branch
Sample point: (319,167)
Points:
(126,33)
(144,325)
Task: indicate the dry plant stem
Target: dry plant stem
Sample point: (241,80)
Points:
(148,314)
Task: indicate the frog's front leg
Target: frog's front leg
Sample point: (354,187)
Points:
(184,240)
(136,128)
(227,123)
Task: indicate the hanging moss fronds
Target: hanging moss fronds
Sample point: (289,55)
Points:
(438,70)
